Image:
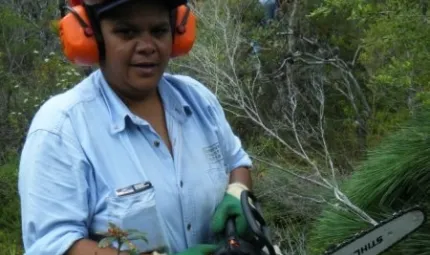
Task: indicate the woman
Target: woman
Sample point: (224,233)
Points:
(132,145)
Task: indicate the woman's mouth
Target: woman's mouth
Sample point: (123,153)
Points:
(146,69)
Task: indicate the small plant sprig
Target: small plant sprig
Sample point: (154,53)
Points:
(122,236)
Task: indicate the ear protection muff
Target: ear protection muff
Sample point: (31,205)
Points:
(80,46)
(185,31)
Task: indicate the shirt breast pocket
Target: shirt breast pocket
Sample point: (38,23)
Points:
(138,211)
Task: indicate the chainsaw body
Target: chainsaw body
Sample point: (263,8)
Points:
(373,241)
(259,238)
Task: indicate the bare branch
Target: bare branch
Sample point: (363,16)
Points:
(218,66)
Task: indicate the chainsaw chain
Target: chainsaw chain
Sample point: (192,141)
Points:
(332,248)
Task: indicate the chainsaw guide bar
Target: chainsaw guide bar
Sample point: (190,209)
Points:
(382,236)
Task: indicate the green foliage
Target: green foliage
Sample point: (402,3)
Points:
(395,176)
(31,70)
(394,37)
(391,71)
(121,236)
(10,221)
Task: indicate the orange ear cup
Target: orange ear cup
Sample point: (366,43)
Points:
(78,42)
(185,33)
(80,46)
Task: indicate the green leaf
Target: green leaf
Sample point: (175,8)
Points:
(135,234)
(133,231)
(133,252)
(112,225)
(139,237)
(107,241)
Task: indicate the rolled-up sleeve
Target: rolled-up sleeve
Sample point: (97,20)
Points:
(53,188)
(231,146)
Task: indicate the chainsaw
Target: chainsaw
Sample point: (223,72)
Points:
(373,241)
(383,235)
(260,244)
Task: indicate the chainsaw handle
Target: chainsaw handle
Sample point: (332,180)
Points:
(233,245)
(230,228)
(256,221)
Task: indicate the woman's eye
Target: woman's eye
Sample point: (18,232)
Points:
(125,32)
(160,31)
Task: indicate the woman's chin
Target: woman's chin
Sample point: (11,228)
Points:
(144,84)
(145,78)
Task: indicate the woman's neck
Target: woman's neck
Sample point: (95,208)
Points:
(146,108)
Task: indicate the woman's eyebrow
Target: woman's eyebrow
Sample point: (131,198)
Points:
(127,22)
(161,23)
(122,22)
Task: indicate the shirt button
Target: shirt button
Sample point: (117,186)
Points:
(188,226)
(156,143)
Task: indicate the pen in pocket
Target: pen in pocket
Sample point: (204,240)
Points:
(132,189)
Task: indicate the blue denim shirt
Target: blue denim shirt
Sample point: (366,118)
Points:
(85,148)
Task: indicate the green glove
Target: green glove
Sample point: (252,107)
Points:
(200,249)
(230,206)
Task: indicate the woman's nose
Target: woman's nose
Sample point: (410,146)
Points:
(145,45)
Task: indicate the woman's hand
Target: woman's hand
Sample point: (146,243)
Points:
(200,249)
(230,207)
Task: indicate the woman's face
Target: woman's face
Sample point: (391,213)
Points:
(138,42)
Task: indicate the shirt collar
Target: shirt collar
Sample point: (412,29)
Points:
(174,103)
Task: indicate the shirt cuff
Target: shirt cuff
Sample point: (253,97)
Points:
(241,160)
(69,240)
